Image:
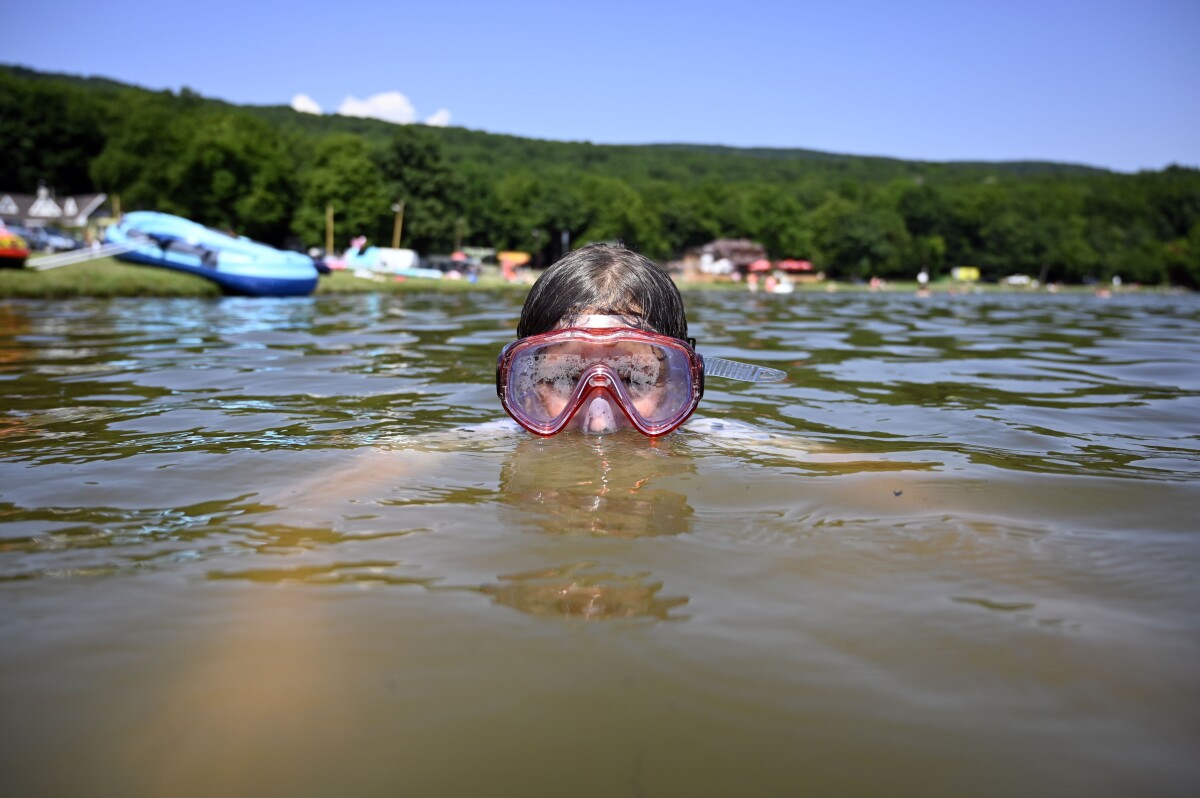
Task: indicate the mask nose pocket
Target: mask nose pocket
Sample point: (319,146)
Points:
(599,418)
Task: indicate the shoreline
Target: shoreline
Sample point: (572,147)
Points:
(108,278)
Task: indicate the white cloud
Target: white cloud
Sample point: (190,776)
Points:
(391,106)
(439,119)
(305,104)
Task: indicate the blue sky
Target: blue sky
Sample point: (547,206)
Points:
(1112,84)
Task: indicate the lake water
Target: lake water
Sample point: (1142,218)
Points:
(268,548)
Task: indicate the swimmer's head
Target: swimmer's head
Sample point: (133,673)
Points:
(602,344)
(604,280)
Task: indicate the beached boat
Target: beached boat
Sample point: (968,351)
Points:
(13,249)
(384,261)
(238,265)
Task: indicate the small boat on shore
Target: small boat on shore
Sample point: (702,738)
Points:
(13,249)
(237,264)
(383,262)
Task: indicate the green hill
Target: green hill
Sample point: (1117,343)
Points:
(696,161)
(272,173)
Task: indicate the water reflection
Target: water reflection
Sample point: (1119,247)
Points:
(583,590)
(611,486)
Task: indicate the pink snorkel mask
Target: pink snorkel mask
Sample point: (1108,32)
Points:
(600,379)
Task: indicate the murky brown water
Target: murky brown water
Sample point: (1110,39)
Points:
(276,548)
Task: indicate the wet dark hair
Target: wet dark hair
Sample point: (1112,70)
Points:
(606,280)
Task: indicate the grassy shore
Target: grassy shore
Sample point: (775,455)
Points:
(109,278)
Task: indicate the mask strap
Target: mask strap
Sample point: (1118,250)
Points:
(744,372)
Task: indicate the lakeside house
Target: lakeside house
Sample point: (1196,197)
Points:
(43,209)
(722,257)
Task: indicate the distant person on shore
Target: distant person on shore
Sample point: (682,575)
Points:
(603,345)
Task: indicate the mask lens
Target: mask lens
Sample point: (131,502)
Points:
(655,379)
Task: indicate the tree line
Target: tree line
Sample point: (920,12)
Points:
(270,173)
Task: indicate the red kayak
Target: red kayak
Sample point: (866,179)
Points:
(13,249)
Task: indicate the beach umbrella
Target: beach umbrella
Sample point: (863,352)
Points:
(795,265)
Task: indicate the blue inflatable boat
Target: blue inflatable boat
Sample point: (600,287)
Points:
(238,265)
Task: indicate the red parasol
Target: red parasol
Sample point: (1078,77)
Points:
(795,265)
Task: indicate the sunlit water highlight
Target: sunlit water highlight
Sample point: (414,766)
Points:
(281,548)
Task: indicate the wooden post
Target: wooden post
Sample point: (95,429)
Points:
(117,207)
(398,227)
(329,229)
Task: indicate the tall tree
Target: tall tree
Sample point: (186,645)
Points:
(233,172)
(49,132)
(144,139)
(414,169)
(342,173)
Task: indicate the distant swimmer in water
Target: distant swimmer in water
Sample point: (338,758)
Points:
(602,345)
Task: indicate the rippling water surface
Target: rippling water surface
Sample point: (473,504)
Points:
(279,548)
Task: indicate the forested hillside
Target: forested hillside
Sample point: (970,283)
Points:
(270,172)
